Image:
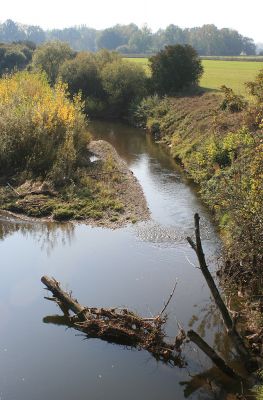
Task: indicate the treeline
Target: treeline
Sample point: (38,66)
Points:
(208,40)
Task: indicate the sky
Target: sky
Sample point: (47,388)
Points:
(242,15)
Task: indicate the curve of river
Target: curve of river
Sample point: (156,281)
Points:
(135,266)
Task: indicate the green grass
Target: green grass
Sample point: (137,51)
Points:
(230,73)
(142,61)
(217,73)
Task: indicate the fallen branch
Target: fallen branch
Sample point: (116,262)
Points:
(115,325)
(230,326)
(12,188)
(217,360)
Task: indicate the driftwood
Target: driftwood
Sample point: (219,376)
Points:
(115,325)
(122,326)
(45,192)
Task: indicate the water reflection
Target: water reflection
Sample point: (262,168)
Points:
(134,267)
(47,235)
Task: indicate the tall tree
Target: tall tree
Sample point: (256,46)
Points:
(174,68)
(50,56)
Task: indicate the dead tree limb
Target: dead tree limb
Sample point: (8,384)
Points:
(230,326)
(63,297)
(168,301)
(217,360)
(115,325)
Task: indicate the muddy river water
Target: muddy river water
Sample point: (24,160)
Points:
(135,266)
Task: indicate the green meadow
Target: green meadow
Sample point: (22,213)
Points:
(217,73)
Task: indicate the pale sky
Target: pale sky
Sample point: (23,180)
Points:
(242,15)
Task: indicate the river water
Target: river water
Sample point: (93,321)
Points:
(135,266)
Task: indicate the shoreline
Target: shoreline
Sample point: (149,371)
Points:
(127,192)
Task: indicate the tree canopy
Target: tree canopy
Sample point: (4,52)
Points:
(15,56)
(175,68)
(50,56)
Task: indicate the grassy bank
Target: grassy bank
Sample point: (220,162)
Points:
(222,152)
(221,72)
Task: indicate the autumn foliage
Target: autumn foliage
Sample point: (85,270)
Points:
(43,133)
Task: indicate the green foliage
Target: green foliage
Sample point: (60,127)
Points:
(123,82)
(255,112)
(141,41)
(107,83)
(82,74)
(232,101)
(208,40)
(110,39)
(256,87)
(175,68)
(15,56)
(226,161)
(50,56)
(63,214)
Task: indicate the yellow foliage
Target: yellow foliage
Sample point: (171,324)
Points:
(38,122)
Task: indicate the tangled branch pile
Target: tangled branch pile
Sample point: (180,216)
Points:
(120,326)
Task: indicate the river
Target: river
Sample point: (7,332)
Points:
(135,266)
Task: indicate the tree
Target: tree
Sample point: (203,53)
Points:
(11,32)
(81,74)
(142,40)
(50,56)
(123,83)
(35,34)
(15,56)
(110,39)
(175,68)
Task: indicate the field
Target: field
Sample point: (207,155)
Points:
(217,73)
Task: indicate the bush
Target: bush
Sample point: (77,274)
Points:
(43,133)
(175,68)
(255,87)
(255,113)
(232,101)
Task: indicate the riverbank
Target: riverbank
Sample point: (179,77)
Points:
(222,152)
(107,194)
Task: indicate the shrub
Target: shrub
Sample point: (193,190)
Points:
(43,133)
(232,101)
(255,87)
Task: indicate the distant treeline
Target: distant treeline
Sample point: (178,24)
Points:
(208,40)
